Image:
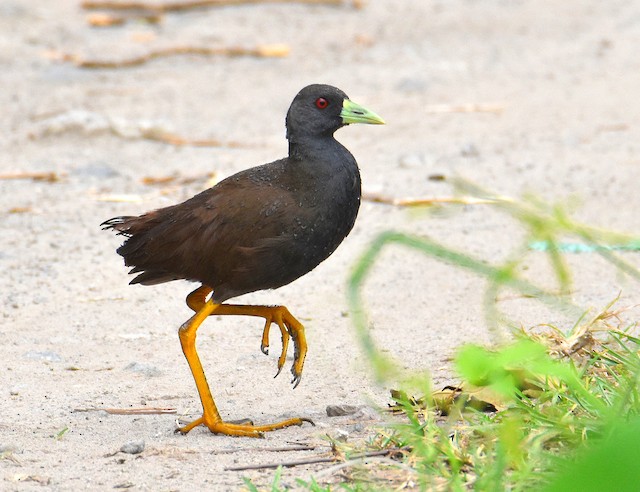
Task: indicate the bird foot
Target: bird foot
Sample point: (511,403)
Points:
(290,327)
(217,426)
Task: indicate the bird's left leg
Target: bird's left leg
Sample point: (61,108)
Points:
(197,299)
(210,415)
(287,323)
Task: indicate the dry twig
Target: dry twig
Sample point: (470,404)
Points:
(260,51)
(314,460)
(190,4)
(283,449)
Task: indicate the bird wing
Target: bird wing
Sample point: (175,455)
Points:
(210,237)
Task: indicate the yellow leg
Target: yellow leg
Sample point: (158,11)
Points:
(198,297)
(210,415)
(288,324)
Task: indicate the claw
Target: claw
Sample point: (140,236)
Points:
(186,428)
(296,380)
(264,345)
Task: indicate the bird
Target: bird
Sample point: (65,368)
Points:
(259,229)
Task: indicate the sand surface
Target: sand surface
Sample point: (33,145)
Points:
(554,88)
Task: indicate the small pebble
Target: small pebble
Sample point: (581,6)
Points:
(146,369)
(133,447)
(367,413)
(340,410)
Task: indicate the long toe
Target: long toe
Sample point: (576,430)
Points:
(188,427)
(244,427)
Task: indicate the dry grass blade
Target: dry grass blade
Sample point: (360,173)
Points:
(208,180)
(49,177)
(130,411)
(20,210)
(109,20)
(159,180)
(426,202)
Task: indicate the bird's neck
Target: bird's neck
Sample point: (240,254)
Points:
(309,148)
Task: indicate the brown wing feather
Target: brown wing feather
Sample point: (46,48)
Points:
(210,237)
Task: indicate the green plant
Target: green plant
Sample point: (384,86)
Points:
(552,404)
(545,408)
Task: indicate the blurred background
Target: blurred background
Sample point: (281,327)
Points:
(114,111)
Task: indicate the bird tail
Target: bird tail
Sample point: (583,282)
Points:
(120,224)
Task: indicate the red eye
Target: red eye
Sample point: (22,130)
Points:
(321,103)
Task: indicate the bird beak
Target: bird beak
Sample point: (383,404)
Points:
(354,113)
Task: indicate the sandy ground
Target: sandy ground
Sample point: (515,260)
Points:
(76,336)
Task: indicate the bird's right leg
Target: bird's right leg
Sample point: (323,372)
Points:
(197,299)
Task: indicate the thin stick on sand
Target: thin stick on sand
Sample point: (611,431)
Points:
(426,202)
(260,51)
(191,4)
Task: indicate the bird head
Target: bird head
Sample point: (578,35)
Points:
(319,110)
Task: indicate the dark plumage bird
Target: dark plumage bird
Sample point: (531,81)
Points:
(261,228)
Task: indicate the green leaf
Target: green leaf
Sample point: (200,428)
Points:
(607,464)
